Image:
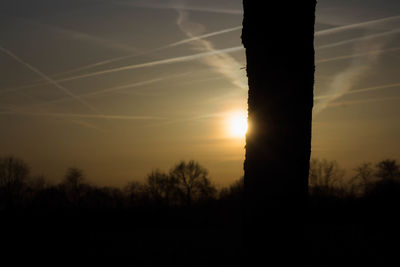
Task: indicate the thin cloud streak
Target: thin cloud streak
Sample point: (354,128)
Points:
(113,89)
(86,124)
(191,119)
(354,40)
(182,7)
(48,79)
(368,89)
(364,24)
(357,55)
(187,40)
(155,63)
(195,38)
(84,116)
(77,35)
(221,63)
(184,41)
(363,101)
(12,109)
(134,66)
(344,80)
(198,56)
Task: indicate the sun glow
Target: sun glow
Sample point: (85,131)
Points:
(238,124)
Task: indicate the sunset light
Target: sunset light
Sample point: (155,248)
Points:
(238,124)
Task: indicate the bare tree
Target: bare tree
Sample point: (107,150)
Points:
(364,177)
(326,178)
(192,181)
(162,187)
(388,169)
(74,185)
(13,177)
(136,193)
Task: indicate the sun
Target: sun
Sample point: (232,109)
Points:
(238,124)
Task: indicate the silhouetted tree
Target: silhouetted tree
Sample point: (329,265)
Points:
(38,183)
(136,193)
(279,42)
(384,191)
(365,175)
(74,185)
(13,177)
(162,187)
(234,192)
(388,170)
(192,181)
(326,178)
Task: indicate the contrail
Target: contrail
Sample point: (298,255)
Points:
(187,40)
(87,37)
(184,41)
(12,109)
(344,80)
(110,90)
(48,79)
(354,40)
(183,7)
(221,63)
(356,25)
(77,35)
(155,63)
(356,91)
(115,88)
(197,118)
(134,66)
(357,55)
(193,57)
(88,116)
(362,101)
(86,124)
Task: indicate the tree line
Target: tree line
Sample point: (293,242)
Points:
(186,184)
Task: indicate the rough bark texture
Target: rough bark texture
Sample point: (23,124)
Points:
(279,41)
(280,70)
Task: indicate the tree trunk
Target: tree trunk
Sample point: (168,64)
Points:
(279,41)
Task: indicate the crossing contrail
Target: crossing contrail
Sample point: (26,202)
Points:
(344,81)
(364,24)
(114,89)
(227,50)
(363,38)
(107,90)
(155,63)
(368,89)
(222,63)
(188,40)
(134,66)
(357,55)
(184,41)
(48,79)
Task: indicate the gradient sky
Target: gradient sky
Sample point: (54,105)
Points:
(121,87)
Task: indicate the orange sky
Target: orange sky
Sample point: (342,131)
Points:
(119,88)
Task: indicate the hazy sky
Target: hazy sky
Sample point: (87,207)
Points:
(119,88)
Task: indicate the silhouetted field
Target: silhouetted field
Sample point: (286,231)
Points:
(181,218)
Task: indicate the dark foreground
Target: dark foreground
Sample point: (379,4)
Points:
(200,236)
